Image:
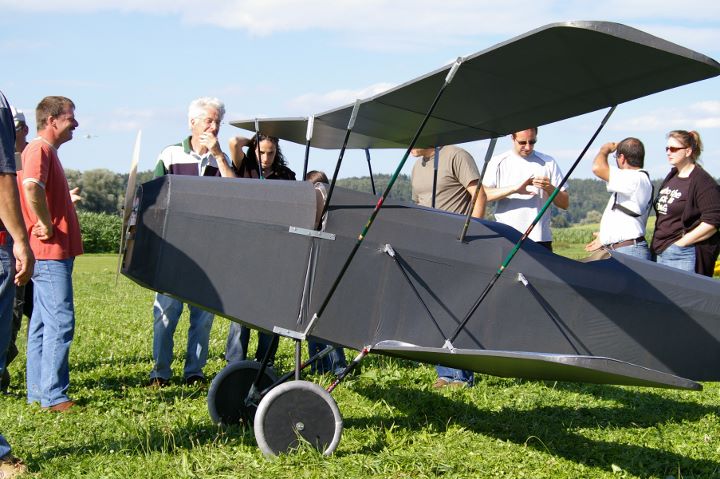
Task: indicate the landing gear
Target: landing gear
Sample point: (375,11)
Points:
(229,390)
(297,412)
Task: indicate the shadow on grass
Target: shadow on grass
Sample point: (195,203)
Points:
(553,424)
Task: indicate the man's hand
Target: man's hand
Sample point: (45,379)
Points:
(210,141)
(608,148)
(24,262)
(75,195)
(595,244)
(543,183)
(522,188)
(42,231)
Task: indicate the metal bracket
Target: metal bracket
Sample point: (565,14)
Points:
(312,233)
(289,333)
(448,345)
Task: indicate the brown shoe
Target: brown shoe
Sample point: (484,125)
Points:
(61,407)
(440,383)
(11,466)
(158,383)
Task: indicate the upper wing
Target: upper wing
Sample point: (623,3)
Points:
(549,74)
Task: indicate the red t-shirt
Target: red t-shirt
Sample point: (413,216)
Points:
(40,164)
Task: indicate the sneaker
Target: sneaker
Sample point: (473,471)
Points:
(11,466)
(195,380)
(157,383)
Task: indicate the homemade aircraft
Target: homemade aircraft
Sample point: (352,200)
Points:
(406,286)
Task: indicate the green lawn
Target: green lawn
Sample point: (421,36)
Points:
(395,424)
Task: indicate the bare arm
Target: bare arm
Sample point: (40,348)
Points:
(600,166)
(479,206)
(37,202)
(701,232)
(494,194)
(236,149)
(13,221)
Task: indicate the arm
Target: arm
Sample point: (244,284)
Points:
(236,150)
(13,221)
(494,194)
(701,232)
(37,202)
(562,200)
(600,166)
(479,206)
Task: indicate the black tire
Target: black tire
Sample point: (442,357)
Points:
(229,390)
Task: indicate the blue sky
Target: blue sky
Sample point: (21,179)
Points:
(136,64)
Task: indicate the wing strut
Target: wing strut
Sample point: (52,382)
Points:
(562,327)
(372,179)
(257,150)
(351,125)
(511,255)
(488,155)
(308,138)
(381,200)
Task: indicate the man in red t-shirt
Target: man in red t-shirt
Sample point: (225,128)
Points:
(54,232)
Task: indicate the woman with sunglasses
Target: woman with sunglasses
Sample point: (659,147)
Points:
(688,209)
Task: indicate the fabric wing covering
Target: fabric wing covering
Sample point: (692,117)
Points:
(577,67)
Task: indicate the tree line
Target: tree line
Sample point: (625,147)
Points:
(103,191)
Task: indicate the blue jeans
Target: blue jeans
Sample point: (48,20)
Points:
(455,374)
(7,290)
(51,332)
(4,447)
(166,312)
(334,362)
(680,257)
(236,347)
(639,250)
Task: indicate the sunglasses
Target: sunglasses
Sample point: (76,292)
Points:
(523,143)
(673,149)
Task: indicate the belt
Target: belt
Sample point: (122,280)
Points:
(622,244)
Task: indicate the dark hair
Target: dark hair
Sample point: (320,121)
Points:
(633,150)
(689,139)
(316,176)
(50,106)
(279,161)
(534,129)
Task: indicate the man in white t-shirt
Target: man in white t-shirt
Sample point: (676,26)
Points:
(521,180)
(622,227)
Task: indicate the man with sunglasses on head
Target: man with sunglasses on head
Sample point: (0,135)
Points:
(520,181)
(622,227)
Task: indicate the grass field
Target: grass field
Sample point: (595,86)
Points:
(396,426)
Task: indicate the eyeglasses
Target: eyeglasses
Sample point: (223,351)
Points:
(523,143)
(209,121)
(673,149)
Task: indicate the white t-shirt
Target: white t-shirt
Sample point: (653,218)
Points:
(519,210)
(631,189)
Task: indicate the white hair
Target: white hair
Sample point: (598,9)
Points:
(198,106)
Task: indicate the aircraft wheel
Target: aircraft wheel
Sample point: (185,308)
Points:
(295,412)
(229,389)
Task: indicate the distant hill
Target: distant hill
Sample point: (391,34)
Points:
(588,197)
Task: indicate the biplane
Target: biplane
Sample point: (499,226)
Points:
(389,277)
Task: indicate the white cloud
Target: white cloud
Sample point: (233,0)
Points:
(412,24)
(319,102)
(700,115)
